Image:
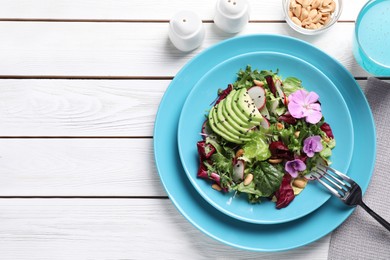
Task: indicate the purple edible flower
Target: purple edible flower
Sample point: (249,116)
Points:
(312,145)
(294,166)
(303,104)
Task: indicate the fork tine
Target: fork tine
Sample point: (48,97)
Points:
(325,175)
(340,174)
(331,189)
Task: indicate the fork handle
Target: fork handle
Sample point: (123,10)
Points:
(375,216)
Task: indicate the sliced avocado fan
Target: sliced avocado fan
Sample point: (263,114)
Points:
(234,117)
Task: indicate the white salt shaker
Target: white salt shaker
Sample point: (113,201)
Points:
(231,15)
(186,30)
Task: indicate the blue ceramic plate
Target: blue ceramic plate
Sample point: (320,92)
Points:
(205,91)
(213,222)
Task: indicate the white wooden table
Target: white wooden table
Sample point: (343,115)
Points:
(80,84)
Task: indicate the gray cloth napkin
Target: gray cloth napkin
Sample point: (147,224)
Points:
(360,236)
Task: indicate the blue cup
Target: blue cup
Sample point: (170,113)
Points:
(371,46)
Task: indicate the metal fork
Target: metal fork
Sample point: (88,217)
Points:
(347,190)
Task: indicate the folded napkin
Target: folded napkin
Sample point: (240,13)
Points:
(360,236)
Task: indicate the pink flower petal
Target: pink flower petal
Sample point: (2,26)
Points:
(303,104)
(311,98)
(313,117)
(315,106)
(299,96)
(296,110)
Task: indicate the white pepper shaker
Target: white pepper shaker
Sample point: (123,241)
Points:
(231,15)
(186,30)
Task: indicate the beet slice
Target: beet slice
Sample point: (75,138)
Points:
(287,118)
(280,150)
(285,193)
(205,150)
(271,84)
(223,94)
(327,129)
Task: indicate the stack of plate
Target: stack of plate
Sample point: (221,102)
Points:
(229,218)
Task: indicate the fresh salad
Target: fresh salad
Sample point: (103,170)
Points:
(262,136)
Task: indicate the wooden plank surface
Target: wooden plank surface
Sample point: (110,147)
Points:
(115,229)
(129,49)
(264,10)
(78,167)
(79,107)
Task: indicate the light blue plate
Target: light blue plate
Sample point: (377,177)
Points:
(213,222)
(205,91)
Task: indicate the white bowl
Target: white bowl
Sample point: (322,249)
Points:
(333,18)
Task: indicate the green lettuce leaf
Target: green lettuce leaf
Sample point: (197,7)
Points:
(221,163)
(245,77)
(249,189)
(286,134)
(326,152)
(332,143)
(214,142)
(268,178)
(291,85)
(257,147)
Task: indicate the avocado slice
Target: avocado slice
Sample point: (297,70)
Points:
(230,119)
(229,109)
(247,106)
(237,110)
(244,108)
(227,121)
(220,130)
(225,126)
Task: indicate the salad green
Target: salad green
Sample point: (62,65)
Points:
(262,136)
